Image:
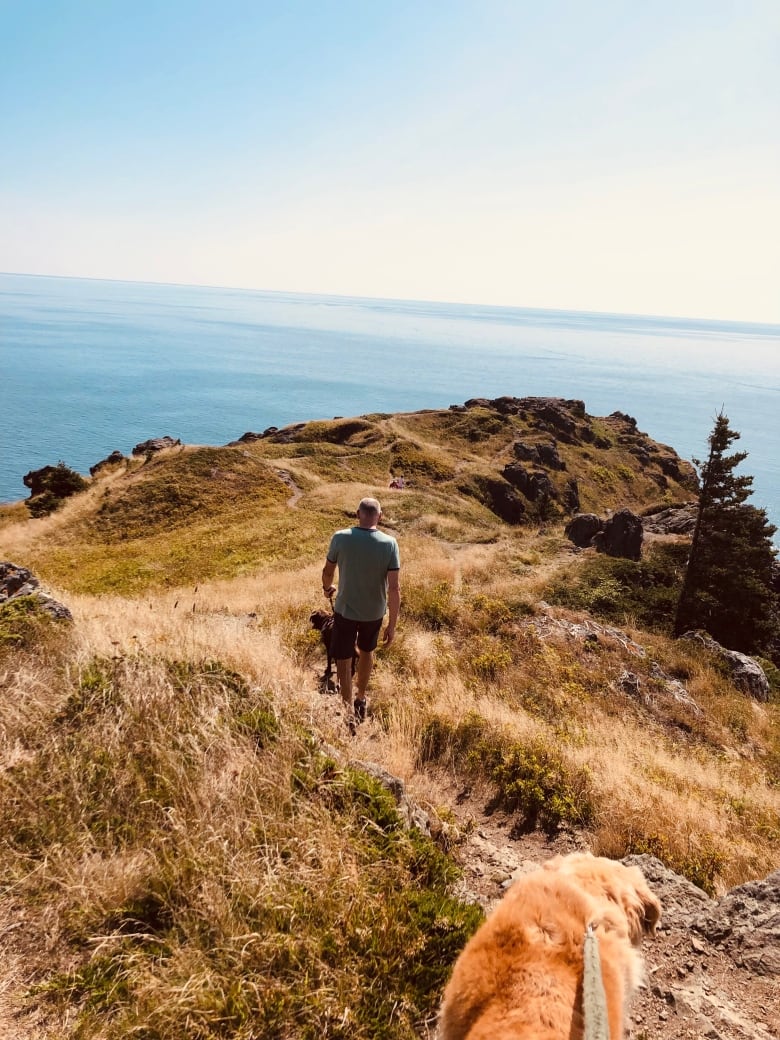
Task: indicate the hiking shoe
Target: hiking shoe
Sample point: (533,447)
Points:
(360,710)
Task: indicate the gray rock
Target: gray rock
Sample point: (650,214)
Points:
(154,445)
(674,520)
(16,581)
(19,581)
(745,672)
(681,900)
(412,816)
(746,921)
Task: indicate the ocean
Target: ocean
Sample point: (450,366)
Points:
(89,366)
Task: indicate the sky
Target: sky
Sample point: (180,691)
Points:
(599,156)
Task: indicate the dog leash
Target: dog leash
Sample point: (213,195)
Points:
(594,1000)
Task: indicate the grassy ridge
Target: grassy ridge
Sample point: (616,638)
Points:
(185,828)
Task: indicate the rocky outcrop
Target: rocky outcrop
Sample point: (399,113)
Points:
(746,673)
(111,460)
(499,496)
(673,520)
(250,438)
(534,484)
(16,582)
(37,480)
(151,447)
(746,923)
(544,453)
(412,816)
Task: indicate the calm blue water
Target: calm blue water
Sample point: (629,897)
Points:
(87,367)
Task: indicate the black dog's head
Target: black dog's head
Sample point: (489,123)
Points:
(319,619)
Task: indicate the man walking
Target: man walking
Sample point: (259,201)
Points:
(368,562)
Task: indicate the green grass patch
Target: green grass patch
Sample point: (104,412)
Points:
(644,592)
(25,624)
(291,902)
(529,778)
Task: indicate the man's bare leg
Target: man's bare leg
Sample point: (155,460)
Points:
(364,668)
(344,673)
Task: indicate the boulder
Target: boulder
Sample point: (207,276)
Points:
(744,671)
(548,455)
(581,529)
(151,447)
(525,452)
(621,535)
(16,582)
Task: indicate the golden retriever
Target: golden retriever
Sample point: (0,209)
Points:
(520,976)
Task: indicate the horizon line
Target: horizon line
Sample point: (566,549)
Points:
(392,299)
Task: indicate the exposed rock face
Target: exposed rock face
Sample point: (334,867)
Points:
(621,535)
(19,581)
(154,445)
(250,438)
(111,460)
(502,499)
(534,484)
(747,924)
(745,673)
(546,454)
(674,520)
(571,496)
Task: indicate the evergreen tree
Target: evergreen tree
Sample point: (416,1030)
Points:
(727,586)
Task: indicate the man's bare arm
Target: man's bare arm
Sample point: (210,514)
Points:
(393,605)
(328,573)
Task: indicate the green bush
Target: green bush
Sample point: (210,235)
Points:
(57,483)
(539,784)
(615,589)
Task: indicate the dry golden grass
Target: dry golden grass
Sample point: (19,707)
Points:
(179,826)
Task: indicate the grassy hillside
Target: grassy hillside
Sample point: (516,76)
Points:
(190,842)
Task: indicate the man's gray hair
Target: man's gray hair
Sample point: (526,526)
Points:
(370,505)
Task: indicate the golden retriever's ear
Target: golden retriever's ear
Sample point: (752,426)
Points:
(644,912)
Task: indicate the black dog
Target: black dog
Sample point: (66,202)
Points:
(322,620)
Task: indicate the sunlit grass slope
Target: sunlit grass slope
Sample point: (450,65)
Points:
(190,842)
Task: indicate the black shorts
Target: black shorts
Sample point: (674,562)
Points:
(347,632)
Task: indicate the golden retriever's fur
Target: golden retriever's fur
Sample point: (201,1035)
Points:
(520,975)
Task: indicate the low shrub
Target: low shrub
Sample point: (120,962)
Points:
(53,485)
(645,592)
(25,624)
(432,606)
(529,778)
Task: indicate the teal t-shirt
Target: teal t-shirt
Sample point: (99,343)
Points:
(363,557)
